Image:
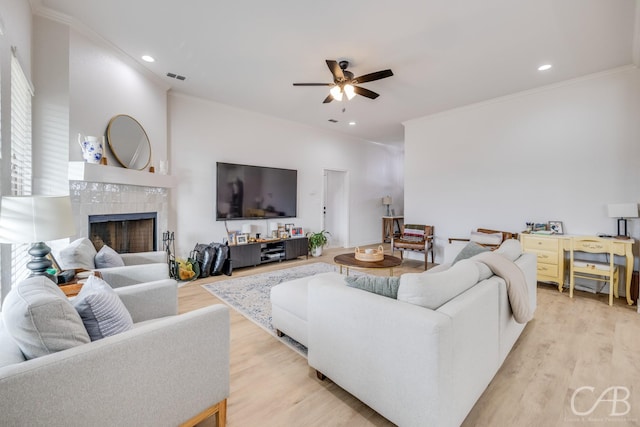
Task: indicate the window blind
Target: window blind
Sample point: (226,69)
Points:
(21,94)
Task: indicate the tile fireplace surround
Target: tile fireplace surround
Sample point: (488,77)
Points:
(98,198)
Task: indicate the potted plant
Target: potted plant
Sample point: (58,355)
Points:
(317,241)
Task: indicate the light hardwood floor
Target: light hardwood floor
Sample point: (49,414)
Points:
(571,343)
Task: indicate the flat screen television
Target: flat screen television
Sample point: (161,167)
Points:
(255,192)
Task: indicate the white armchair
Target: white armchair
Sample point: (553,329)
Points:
(168,370)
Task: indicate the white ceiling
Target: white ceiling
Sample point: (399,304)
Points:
(444,53)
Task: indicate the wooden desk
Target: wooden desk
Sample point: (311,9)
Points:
(388,229)
(550,252)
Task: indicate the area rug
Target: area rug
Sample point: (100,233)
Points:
(250,295)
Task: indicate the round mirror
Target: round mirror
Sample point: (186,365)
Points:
(129,142)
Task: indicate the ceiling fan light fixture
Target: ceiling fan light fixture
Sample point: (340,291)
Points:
(336,93)
(349,91)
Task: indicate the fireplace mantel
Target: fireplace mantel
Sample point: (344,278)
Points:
(89,172)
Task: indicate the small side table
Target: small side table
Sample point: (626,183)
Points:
(389,224)
(72,287)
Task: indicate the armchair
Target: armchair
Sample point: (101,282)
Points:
(491,239)
(132,378)
(416,238)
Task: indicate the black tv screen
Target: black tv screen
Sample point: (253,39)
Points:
(255,192)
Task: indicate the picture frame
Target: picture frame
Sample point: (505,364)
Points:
(232,237)
(556,227)
(242,239)
(284,235)
(297,232)
(288,227)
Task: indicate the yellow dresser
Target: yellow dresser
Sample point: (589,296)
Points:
(550,253)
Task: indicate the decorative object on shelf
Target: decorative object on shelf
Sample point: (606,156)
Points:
(288,227)
(242,239)
(529,227)
(556,227)
(622,211)
(233,235)
(92,148)
(129,142)
(539,227)
(369,254)
(36,219)
(297,232)
(317,241)
(386,200)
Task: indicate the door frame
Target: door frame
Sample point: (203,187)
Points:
(343,212)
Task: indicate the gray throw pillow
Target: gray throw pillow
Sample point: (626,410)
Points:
(101,309)
(468,251)
(385,286)
(107,257)
(79,254)
(41,319)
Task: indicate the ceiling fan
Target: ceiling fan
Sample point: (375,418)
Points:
(345,83)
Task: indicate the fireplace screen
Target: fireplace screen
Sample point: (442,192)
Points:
(125,233)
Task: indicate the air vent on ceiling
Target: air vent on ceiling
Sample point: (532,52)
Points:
(176,76)
(333,120)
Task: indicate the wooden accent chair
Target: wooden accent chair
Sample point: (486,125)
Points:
(416,238)
(490,240)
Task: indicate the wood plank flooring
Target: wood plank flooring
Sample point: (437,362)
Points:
(571,343)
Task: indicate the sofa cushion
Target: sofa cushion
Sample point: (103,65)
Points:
(10,352)
(385,286)
(79,254)
(469,250)
(107,257)
(101,310)
(40,318)
(486,238)
(431,290)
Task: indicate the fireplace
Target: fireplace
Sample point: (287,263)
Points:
(125,233)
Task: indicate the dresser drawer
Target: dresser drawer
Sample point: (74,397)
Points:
(547,270)
(546,257)
(589,246)
(540,243)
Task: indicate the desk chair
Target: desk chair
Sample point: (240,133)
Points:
(414,237)
(590,270)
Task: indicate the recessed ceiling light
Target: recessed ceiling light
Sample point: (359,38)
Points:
(148,58)
(352,123)
(544,67)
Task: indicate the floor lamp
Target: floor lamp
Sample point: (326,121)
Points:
(622,211)
(36,220)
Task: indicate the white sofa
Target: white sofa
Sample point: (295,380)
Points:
(166,370)
(414,365)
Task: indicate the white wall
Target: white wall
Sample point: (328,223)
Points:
(202,133)
(558,153)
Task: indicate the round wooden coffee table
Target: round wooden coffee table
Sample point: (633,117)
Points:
(350,261)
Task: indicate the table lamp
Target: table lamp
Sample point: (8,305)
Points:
(622,211)
(386,200)
(36,219)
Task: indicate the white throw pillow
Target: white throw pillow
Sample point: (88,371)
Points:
(486,238)
(510,249)
(79,254)
(41,319)
(431,290)
(101,309)
(107,257)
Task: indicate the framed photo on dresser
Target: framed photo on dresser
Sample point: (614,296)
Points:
(556,227)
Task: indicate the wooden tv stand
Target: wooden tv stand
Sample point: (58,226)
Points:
(255,253)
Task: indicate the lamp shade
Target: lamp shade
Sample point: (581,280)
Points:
(246,229)
(30,219)
(386,200)
(622,210)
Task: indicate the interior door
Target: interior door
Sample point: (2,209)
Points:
(335,215)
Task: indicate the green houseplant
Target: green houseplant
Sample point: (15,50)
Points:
(317,242)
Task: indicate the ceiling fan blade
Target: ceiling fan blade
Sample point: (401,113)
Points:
(312,84)
(373,76)
(328,99)
(365,92)
(338,75)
